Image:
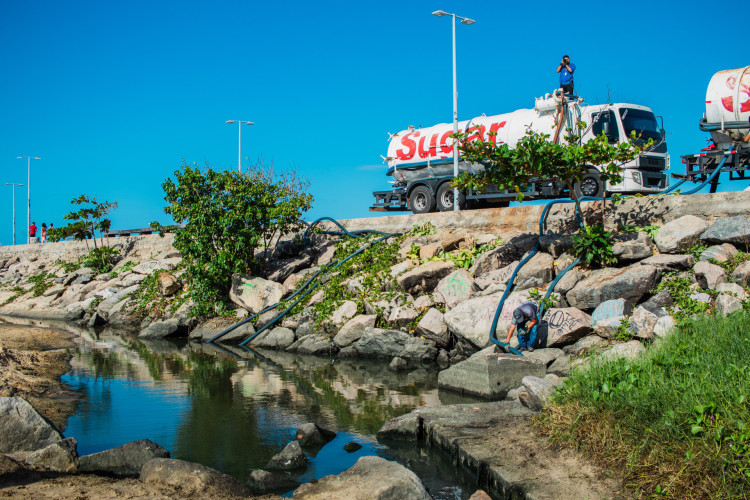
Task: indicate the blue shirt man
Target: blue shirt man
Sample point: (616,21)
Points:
(525,321)
(566,70)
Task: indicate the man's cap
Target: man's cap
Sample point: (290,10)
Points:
(566,55)
(517,317)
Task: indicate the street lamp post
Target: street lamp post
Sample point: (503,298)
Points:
(28,196)
(14,208)
(467,21)
(239,147)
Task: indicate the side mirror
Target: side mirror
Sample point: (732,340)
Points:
(606,128)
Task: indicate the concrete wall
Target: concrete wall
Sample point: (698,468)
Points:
(143,247)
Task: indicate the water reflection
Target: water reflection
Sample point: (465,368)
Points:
(232,409)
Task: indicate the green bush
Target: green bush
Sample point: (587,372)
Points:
(228,216)
(100,259)
(676,419)
(592,245)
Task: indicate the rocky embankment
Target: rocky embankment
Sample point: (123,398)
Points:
(434,304)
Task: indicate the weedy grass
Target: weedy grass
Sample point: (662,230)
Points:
(674,422)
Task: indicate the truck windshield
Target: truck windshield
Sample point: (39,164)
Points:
(643,122)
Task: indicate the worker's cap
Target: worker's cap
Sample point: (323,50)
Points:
(517,317)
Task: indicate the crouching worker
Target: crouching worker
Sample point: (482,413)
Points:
(525,321)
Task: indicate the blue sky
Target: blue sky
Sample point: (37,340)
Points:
(114,95)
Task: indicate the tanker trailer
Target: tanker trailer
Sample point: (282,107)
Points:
(420,161)
(726,120)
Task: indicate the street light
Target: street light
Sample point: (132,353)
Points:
(28,196)
(239,147)
(467,21)
(14,208)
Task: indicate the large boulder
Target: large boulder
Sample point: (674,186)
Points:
(629,350)
(22,428)
(255,294)
(488,374)
(496,277)
(735,230)
(726,304)
(566,325)
(313,344)
(387,344)
(433,327)
(290,458)
(455,287)
(556,244)
(125,460)
(191,479)
(279,338)
(643,321)
(630,283)
(720,253)
(312,435)
(709,275)
(611,312)
(402,315)
(632,246)
(344,313)
(261,482)
(168,284)
(536,272)
(668,262)
(503,255)
(537,391)
(471,320)
(59,457)
(353,329)
(680,234)
(424,278)
(162,329)
(371,478)
(741,274)
(150,266)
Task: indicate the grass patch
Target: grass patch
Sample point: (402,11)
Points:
(675,422)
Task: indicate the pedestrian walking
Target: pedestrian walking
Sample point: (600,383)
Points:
(44,232)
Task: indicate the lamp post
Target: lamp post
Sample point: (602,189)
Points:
(28,196)
(14,208)
(239,147)
(467,21)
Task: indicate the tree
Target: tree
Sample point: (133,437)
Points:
(228,216)
(86,221)
(535,157)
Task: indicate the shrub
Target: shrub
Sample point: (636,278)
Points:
(592,245)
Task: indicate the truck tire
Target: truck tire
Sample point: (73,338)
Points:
(591,185)
(421,200)
(445,198)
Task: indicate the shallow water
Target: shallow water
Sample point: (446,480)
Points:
(233,409)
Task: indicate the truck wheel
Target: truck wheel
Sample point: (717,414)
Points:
(445,198)
(421,200)
(590,185)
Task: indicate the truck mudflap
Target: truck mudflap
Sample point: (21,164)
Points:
(390,201)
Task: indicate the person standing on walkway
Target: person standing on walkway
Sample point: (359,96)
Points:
(566,70)
(32,230)
(44,232)
(525,321)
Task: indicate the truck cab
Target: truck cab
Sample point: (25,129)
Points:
(646,174)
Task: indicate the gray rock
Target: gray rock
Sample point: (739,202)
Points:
(667,262)
(313,344)
(371,477)
(279,338)
(660,300)
(22,428)
(424,278)
(709,275)
(290,458)
(630,283)
(504,254)
(266,318)
(312,435)
(60,457)
(263,482)
(560,367)
(664,326)
(488,374)
(732,289)
(611,312)
(680,234)
(741,274)
(344,313)
(566,325)
(701,297)
(401,267)
(112,299)
(82,279)
(398,364)
(642,323)
(423,302)
(735,230)
(537,392)
(162,329)
(191,480)
(403,428)
(403,315)
(125,460)
(351,447)
(496,277)
(353,329)
(455,287)
(433,327)
(536,272)
(386,344)
(96,319)
(556,244)
(255,294)
(150,266)
(632,246)
(544,355)
(471,320)
(568,281)
(584,345)
(726,304)
(279,270)
(629,350)
(720,253)
(168,284)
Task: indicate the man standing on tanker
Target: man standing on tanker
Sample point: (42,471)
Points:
(566,70)
(525,321)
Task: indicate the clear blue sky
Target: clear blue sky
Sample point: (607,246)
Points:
(112,95)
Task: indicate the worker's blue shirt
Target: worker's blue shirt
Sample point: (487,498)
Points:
(566,76)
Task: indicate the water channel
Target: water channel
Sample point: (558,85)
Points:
(232,409)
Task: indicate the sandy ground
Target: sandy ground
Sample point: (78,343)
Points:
(32,359)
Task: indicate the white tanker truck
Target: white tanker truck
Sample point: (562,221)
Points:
(726,119)
(420,161)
